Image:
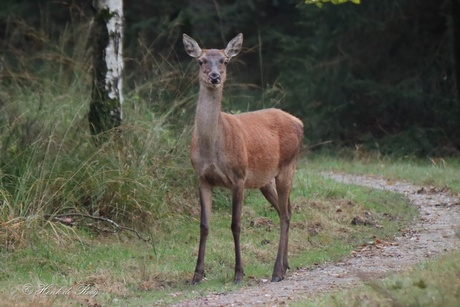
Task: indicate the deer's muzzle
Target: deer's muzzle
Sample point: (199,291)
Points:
(214,78)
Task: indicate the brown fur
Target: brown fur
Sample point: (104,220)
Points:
(253,145)
(250,150)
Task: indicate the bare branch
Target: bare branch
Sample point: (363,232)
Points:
(59,217)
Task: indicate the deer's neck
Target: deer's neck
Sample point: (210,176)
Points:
(208,117)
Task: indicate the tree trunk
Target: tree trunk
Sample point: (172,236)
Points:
(106,98)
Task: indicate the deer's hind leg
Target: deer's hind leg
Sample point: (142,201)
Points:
(283,189)
(270,193)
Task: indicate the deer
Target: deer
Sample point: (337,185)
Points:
(251,150)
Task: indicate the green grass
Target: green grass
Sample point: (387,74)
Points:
(128,271)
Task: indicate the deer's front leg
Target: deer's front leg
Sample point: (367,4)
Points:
(205,204)
(237,205)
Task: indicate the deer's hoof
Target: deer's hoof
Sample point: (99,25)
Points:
(197,278)
(277,279)
(238,278)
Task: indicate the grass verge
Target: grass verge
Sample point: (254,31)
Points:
(436,171)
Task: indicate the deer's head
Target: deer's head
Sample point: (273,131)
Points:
(213,62)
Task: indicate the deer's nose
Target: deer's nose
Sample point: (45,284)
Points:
(214,77)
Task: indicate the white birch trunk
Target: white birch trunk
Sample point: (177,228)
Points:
(107,97)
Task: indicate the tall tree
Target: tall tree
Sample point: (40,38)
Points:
(107,97)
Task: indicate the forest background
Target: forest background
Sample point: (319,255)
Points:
(379,75)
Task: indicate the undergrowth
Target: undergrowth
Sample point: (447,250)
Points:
(49,163)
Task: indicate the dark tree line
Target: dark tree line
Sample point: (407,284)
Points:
(381,73)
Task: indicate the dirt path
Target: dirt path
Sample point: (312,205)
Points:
(436,231)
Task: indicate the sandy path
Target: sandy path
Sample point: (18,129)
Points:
(436,231)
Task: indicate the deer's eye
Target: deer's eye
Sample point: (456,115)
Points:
(226,62)
(201,61)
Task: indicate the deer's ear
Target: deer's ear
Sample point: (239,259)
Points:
(234,46)
(191,46)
